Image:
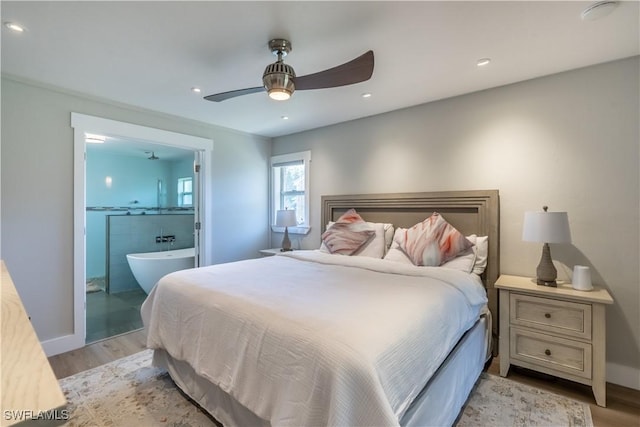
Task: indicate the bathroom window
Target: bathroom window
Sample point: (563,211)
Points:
(185,191)
(290,188)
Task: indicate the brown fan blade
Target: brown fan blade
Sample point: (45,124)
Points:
(355,71)
(217,97)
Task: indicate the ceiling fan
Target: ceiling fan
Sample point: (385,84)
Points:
(280,80)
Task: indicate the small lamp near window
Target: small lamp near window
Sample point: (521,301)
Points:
(546,227)
(286,218)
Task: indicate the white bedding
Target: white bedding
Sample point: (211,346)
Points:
(314,339)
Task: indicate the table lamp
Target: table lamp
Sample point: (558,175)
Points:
(286,218)
(546,227)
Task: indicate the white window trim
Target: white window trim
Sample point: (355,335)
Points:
(305,156)
(182,194)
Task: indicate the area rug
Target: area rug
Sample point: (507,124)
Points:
(131,392)
(497,401)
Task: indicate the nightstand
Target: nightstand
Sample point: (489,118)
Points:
(558,331)
(269,252)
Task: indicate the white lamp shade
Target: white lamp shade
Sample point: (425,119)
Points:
(546,227)
(286,218)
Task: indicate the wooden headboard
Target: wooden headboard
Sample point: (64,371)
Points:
(471,212)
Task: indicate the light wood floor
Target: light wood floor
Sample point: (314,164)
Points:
(98,353)
(623,404)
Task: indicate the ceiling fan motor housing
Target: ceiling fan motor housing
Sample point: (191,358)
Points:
(278,80)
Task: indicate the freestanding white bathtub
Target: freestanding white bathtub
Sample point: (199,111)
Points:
(149,267)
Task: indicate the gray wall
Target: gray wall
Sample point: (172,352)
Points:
(37,192)
(569,141)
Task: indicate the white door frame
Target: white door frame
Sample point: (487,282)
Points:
(81,124)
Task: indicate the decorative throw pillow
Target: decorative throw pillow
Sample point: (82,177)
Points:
(376,247)
(432,242)
(348,234)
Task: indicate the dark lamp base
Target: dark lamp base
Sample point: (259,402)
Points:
(546,273)
(286,243)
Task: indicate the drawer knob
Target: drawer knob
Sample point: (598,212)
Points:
(547,352)
(547,315)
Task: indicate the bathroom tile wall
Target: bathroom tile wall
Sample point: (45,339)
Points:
(117,183)
(128,234)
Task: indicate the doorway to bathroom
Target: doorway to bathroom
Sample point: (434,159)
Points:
(139,200)
(143,192)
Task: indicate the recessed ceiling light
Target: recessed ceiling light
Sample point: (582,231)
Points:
(598,10)
(196,90)
(285,117)
(14,27)
(483,61)
(366,95)
(93,138)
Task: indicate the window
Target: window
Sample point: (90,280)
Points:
(185,191)
(290,188)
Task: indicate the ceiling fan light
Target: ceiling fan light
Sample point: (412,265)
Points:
(279,94)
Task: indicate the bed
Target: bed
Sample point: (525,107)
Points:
(314,338)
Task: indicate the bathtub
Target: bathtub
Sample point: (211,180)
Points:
(149,267)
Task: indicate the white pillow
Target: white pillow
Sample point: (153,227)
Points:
(395,254)
(388,236)
(463,262)
(383,236)
(482,254)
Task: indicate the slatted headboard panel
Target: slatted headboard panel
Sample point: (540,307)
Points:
(471,212)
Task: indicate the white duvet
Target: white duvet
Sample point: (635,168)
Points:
(311,339)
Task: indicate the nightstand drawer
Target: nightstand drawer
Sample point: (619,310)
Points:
(559,354)
(555,316)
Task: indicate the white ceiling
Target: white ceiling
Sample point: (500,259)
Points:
(150,53)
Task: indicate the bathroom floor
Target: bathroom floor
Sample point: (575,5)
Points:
(113,314)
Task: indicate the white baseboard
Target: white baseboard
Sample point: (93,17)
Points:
(62,344)
(623,375)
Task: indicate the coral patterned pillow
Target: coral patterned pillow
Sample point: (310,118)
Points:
(432,242)
(348,234)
